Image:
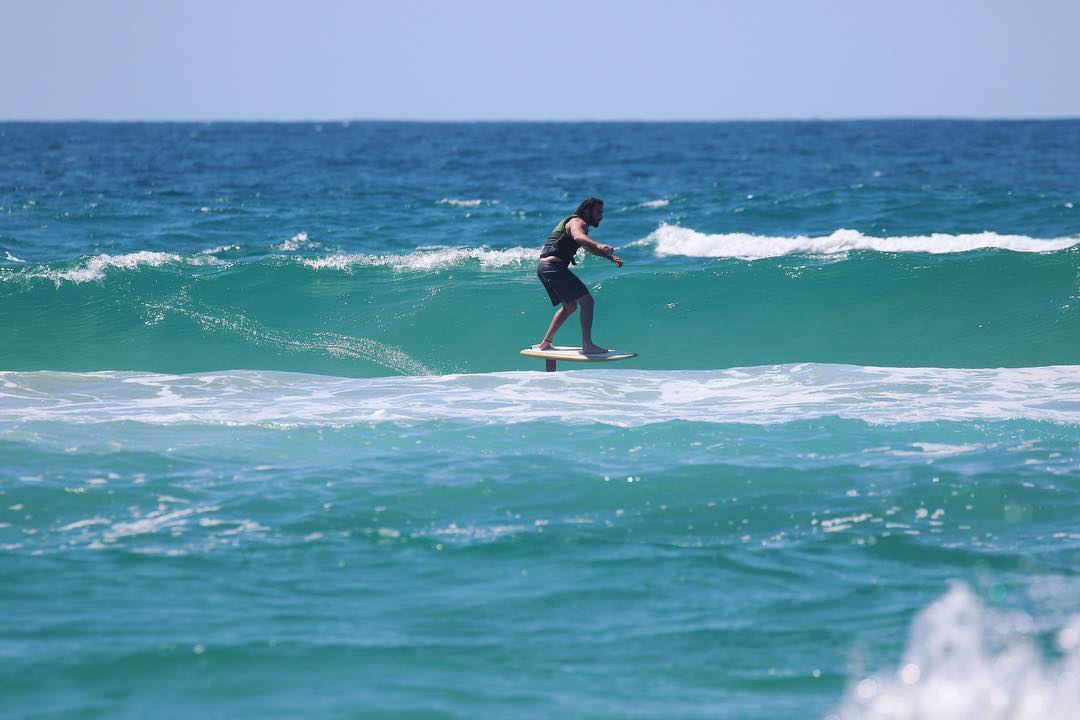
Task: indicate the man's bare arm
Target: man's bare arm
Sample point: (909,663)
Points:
(580,235)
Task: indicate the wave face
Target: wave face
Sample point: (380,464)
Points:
(267,446)
(454,310)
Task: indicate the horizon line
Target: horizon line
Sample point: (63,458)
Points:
(550,121)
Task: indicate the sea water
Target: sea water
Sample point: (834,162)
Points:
(268,448)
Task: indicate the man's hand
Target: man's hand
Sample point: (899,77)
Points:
(609,252)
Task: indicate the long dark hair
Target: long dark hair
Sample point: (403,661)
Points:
(586,204)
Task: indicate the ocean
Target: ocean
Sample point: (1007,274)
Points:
(269,450)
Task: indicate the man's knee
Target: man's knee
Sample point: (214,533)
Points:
(570,306)
(585,300)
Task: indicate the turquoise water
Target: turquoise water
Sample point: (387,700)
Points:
(269,450)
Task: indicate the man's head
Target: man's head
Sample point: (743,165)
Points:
(591,210)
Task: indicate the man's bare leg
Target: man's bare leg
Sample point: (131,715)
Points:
(561,314)
(588,347)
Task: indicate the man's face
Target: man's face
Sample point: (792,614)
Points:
(597,212)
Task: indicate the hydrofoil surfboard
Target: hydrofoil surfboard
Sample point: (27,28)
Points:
(574,354)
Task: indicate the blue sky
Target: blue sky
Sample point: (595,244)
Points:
(553,60)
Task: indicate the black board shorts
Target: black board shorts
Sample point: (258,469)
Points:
(562,285)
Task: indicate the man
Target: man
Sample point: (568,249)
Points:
(562,285)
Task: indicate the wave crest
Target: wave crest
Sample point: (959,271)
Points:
(676,240)
(94,268)
(427,259)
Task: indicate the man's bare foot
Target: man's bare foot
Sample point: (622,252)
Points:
(545,345)
(593,349)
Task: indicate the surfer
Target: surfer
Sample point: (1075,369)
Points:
(562,285)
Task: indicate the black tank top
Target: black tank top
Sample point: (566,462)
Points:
(559,243)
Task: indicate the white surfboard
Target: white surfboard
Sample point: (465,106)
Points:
(573,354)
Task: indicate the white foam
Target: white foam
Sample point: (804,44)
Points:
(83,524)
(676,240)
(428,259)
(758,395)
(154,522)
(927,449)
(966,662)
(206,259)
(164,521)
(219,249)
(12,258)
(654,204)
(94,268)
(294,243)
(471,203)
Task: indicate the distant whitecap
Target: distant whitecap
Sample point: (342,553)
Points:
(294,243)
(469,203)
